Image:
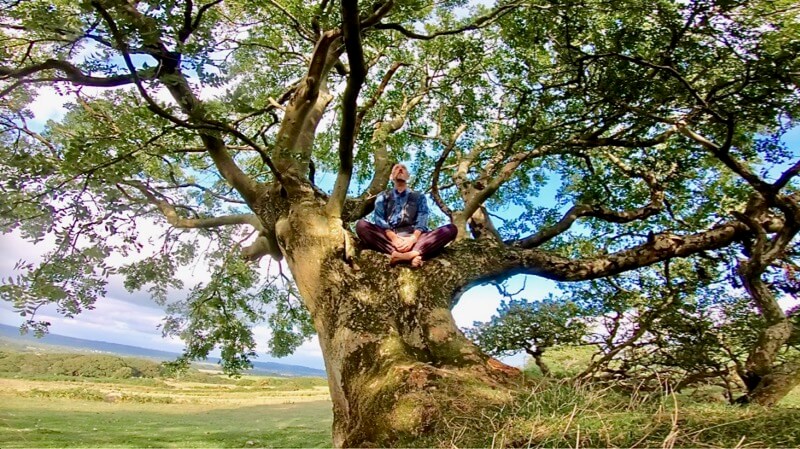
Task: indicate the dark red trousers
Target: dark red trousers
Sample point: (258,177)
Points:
(429,243)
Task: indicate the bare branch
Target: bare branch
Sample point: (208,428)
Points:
(437,198)
(787,176)
(478,263)
(585,210)
(479,22)
(355,54)
(170,213)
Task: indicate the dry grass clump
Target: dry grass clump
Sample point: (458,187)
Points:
(563,414)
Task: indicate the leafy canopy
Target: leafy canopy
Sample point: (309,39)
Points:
(637,119)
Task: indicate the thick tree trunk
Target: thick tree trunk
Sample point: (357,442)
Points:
(393,353)
(774,386)
(537,358)
(766,382)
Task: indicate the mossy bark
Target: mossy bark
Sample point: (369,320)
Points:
(393,353)
(766,380)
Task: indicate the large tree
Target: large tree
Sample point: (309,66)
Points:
(658,123)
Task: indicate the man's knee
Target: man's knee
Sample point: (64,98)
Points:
(451,231)
(362,227)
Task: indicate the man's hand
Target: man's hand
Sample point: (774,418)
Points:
(402,244)
(405,244)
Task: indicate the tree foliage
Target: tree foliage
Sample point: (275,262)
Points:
(79,365)
(649,331)
(532,327)
(573,141)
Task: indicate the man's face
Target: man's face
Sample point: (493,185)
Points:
(400,173)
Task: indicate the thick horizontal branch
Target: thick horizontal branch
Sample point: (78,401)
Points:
(472,262)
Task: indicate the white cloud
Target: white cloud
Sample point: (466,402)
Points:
(48,105)
(481,302)
(111,320)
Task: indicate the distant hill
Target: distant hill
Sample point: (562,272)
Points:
(52,342)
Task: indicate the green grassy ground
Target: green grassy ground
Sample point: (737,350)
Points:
(59,414)
(205,411)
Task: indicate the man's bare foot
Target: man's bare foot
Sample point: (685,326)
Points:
(398,257)
(417,262)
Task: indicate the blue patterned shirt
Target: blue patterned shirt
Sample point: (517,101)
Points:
(390,221)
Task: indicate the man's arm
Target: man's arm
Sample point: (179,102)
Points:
(379,215)
(421,225)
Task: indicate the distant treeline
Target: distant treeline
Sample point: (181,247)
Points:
(108,366)
(79,365)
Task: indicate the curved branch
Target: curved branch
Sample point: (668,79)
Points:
(171,214)
(787,176)
(72,74)
(474,262)
(480,22)
(586,210)
(722,153)
(303,32)
(674,73)
(178,86)
(266,244)
(505,173)
(362,111)
(358,72)
(437,197)
(189,25)
(379,14)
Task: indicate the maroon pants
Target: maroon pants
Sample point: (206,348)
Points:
(429,243)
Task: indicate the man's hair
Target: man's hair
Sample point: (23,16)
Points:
(391,176)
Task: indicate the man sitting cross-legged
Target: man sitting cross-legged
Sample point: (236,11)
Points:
(400,228)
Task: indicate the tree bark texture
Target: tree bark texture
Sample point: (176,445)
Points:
(766,382)
(393,353)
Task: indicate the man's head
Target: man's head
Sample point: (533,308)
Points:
(399,174)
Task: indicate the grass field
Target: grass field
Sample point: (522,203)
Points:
(208,410)
(57,413)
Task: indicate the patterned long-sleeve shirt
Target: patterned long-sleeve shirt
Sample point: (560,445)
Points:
(392,219)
